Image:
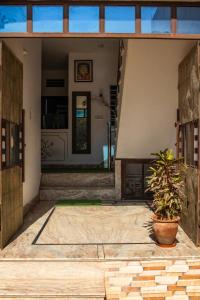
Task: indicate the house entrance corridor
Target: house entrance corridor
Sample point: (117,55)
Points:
(97,232)
(94,252)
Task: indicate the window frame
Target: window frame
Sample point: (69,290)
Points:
(102,34)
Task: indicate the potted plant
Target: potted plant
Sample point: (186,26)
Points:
(166,183)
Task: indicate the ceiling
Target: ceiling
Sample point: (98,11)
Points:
(55,51)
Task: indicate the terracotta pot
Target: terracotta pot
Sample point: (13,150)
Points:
(165,230)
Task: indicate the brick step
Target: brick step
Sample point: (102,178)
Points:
(104,179)
(58,279)
(154,279)
(90,193)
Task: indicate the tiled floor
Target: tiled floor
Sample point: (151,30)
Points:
(81,253)
(51,279)
(92,233)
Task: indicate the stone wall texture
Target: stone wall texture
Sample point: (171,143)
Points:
(189,95)
(190,219)
(155,279)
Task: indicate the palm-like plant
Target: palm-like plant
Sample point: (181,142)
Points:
(166,182)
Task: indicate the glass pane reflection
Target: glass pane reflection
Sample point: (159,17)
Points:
(120,19)
(188,20)
(47,18)
(81,124)
(156,19)
(13,18)
(84,19)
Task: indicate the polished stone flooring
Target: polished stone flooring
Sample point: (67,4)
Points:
(92,233)
(51,279)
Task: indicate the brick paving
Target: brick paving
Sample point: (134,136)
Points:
(155,279)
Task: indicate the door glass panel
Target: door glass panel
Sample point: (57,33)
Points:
(120,19)
(188,20)
(47,18)
(13,18)
(83,19)
(81,124)
(156,19)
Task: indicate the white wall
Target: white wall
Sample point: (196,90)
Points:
(150,97)
(31,103)
(54,74)
(104,75)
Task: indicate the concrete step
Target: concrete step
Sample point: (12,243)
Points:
(90,193)
(56,297)
(54,279)
(78,179)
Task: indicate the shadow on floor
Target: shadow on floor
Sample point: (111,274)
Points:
(36,212)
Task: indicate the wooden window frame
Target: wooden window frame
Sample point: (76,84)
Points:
(101,33)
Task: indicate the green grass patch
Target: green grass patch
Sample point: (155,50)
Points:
(62,170)
(76,202)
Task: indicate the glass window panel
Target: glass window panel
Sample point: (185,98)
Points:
(156,19)
(81,123)
(84,19)
(13,18)
(188,20)
(54,112)
(47,18)
(120,19)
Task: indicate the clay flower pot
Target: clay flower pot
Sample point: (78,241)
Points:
(165,230)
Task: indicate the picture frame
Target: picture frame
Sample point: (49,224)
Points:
(83,71)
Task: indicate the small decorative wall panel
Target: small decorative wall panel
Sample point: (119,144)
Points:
(54,146)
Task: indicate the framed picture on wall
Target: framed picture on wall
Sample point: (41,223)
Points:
(83,70)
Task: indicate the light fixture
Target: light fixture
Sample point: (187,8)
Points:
(24,51)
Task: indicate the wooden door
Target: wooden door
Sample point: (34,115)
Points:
(188,139)
(11,97)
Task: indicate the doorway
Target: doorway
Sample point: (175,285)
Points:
(79,100)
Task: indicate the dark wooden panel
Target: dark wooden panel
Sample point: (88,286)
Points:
(188,116)
(11,98)
(134,172)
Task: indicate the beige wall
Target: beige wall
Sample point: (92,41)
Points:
(29,52)
(150,97)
